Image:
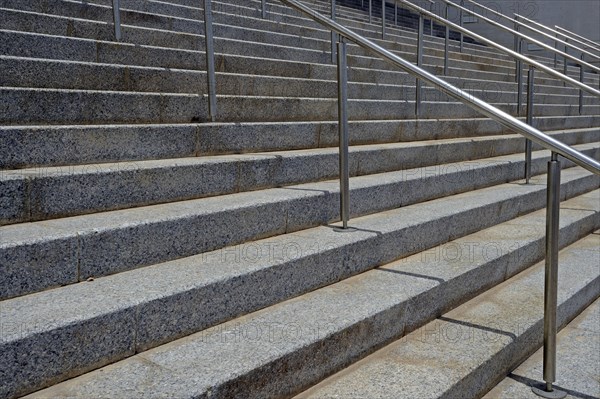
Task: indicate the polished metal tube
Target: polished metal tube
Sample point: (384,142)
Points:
(539,66)
(117,19)
(383,19)
(418,92)
(589,42)
(461,23)
(518,47)
(343,133)
(468,99)
(530,94)
(519,88)
(518,33)
(210,61)
(446,43)
(551,280)
(581,78)
(333,34)
(548,36)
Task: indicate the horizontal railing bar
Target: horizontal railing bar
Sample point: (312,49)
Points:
(513,54)
(524,36)
(557,33)
(513,21)
(546,35)
(590,42)
(489,110)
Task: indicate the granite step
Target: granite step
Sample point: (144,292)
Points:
(332,326)
(466,351)
(63,251)
(45,146)
(41,73)
(33,106)
(261,44)
(257,30)
(185,19)
(577,365)
(30,195)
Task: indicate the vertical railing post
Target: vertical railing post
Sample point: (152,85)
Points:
(581,78)
(333,34)
(370,11)
(210,61)
(530,93)
(264,9)
(395,13)
(418,92)
(518,49)
(117,19)
(383,19)
(461,21)
(446,43)
(565,59)
(556,48)
(343,132)
(551,279)
(519,88)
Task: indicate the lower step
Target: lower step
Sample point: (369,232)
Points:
(468,350)
(280,350)
(577,363)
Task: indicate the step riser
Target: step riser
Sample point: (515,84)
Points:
(28,73)
(330,352)
(27,193)
(31,107)
(70,258)
(20,147)
(39,23)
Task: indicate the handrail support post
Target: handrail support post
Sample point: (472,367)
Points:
(343,132)
(383,19)
(551,279)
(581,79)
(210,61)
(116,4)
(418,92)
(461,23)
(529,120)
(264,9)
(333,34)
(446,43)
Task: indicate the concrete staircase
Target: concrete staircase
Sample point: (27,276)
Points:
(145,252)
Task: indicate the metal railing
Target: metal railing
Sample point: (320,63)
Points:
(116,6)
(520,57)
(572,35)
(525,129)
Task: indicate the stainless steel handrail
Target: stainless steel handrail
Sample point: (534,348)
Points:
(548,36)
(522,35)
(573,35)
(513,54)
(556,33)
(489,110)
(516,23)
(531,133)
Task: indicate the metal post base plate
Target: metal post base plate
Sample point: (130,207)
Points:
(344,230)
(554,394)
